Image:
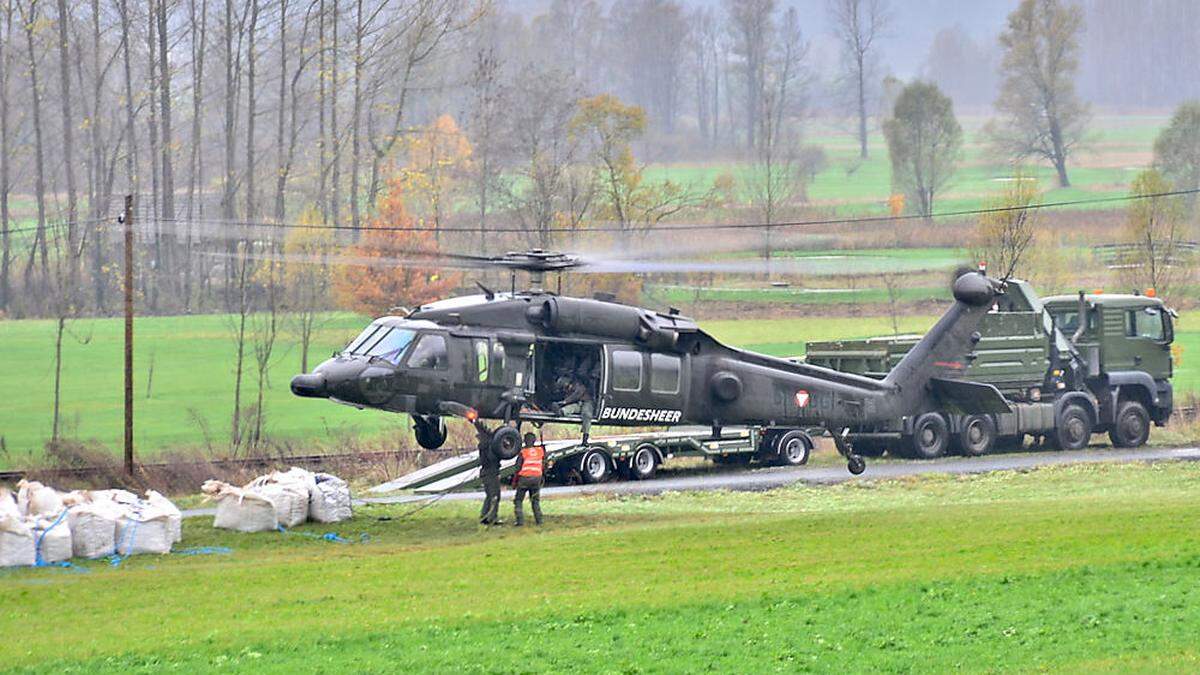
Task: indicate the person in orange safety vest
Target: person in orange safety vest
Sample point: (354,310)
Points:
(531,469)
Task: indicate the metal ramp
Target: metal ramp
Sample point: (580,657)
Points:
(461,470)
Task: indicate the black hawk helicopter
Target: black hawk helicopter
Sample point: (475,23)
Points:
(502,356)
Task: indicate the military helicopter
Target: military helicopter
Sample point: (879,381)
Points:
(500,356)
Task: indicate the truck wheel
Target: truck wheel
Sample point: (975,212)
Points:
(1132,427)
(792,449)
(931,436)
(1074,428)
(978,436)
(644,463)
(595,466)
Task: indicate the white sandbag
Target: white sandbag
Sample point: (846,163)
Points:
(52,537)
(94,529)
(175,516)
(329,501)
(8,504)
(17,545)
(35,499)
(290,500)
(289,490)
(240,509)
(117,496)
(144,529)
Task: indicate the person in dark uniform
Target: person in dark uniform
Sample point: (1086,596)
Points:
(489,472)
(531,468)
(578,401)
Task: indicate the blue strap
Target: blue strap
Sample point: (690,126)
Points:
(205,550)
(332,537)
(38,560)
(116,558)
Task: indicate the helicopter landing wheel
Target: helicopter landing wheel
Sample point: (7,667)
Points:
(855,464)
(506,442)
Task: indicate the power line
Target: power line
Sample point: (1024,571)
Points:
(690,227)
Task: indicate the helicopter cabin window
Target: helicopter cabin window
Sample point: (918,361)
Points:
(481,359)
(1145,323)
(627,370)
(430,352)
(664,374)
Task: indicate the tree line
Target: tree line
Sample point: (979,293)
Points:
(524,130)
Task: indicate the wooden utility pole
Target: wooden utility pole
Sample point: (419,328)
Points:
(127,220)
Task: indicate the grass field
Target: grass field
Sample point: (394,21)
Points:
(190,397)
(1119,146)
(1081,569)
(191,394)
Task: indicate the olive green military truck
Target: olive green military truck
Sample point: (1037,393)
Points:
(1062,378)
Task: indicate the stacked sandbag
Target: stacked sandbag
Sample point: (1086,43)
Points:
(35,499)
(94,528)
(17,545)
(146,527)
(52,538)
(240,509)
(329,499)
(289,491)
(174,515)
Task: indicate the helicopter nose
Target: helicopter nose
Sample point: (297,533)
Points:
(310,385)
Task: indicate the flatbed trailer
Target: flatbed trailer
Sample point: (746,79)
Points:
(635,456)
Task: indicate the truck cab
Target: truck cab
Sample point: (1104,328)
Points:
(1124,341)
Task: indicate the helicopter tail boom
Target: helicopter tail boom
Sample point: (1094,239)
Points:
(946,350)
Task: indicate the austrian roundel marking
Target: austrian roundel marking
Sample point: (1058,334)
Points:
(802,398)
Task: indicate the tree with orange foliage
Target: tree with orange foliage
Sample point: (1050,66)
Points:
(438,156)
(380,274)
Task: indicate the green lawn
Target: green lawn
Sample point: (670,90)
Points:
(1087,568)
(1119,146)
(190,395)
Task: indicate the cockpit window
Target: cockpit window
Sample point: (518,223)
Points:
(430,352)
(391,346)
(382,341)
(368,333)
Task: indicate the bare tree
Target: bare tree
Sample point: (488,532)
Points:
(1009,227)
(1041,115)
(484,120)
(859,25)
(750,25)
(31,20)
(68,130)
(1156,256)
(6,61)
(778,176)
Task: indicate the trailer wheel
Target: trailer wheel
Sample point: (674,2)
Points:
(930,437)
(644,463)
(793,449)
(595,467)
(1132,427)
(1074,428)
(978,436)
